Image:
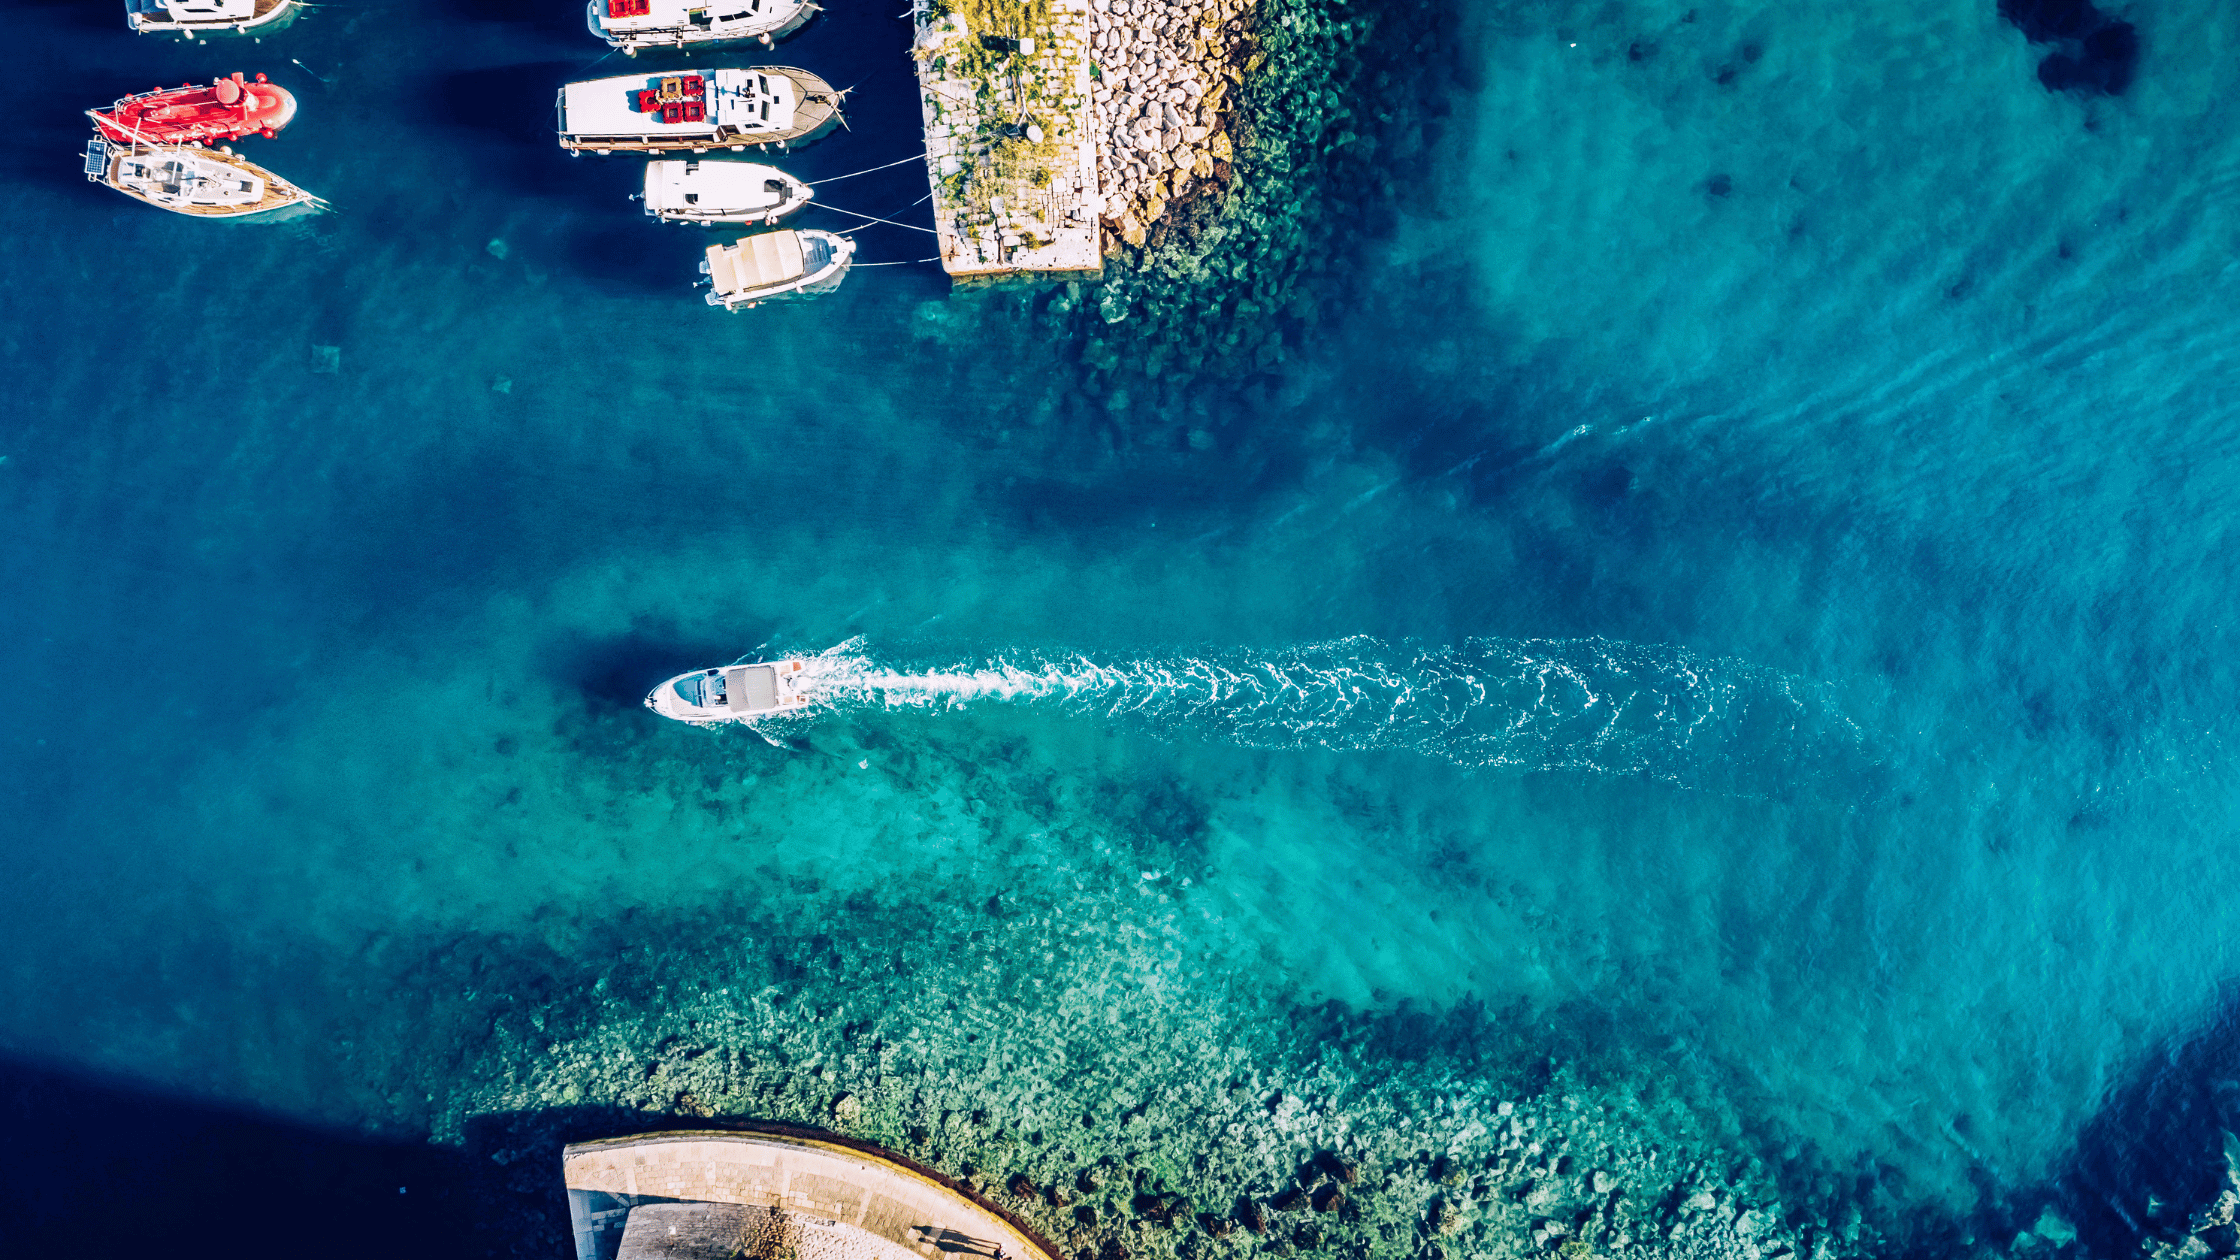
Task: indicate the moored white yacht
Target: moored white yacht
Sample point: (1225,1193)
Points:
(770,266)
(634,24)
(203,18)
(192,180)
(696,111)
(735,693)
(704,192)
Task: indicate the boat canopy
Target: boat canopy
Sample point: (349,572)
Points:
(756,262)
(753,688)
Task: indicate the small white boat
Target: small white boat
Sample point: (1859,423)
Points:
(787,263)
(189,179)
(634,24)
(203,18)
(695,111)
(695,191)
(735,693)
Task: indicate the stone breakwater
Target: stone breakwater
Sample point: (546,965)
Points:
(1166,74)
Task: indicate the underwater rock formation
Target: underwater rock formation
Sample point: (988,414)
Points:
(2095,53)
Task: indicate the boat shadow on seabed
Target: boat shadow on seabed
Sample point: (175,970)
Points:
(99,1168)
(559,17)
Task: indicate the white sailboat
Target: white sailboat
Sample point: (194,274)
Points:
(192,180)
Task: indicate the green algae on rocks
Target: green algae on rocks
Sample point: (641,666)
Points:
(1327,125)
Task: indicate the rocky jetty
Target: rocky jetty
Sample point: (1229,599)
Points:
(1166,72)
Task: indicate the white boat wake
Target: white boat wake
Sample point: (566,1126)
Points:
(1540,704)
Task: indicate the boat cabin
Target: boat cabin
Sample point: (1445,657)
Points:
(711,190)
(210,10)
(741,689)
(173,178)
(717,17)
(191,17)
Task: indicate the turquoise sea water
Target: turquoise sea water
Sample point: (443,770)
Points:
(1734,591)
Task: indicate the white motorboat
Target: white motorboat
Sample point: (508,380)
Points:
(192,180)
(634,24)
(768,266)
(203,18)
(735,693)
(696,111)
(694,191)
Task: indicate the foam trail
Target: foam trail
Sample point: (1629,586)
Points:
(1542,704)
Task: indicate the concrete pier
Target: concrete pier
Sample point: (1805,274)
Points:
(717,1194)
(1010,139)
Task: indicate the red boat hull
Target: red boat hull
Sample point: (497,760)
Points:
(227,109)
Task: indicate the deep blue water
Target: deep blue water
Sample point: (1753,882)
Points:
(1811,384)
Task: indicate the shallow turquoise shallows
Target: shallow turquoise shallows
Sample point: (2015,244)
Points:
(1743,586)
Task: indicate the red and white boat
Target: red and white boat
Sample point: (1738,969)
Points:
(224,109)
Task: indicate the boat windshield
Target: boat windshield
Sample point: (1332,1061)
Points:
(689,689)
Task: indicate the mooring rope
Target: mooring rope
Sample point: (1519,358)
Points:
(852,174)
(874,218)
(907,262)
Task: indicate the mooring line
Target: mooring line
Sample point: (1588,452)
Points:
(852,174)
(874,218)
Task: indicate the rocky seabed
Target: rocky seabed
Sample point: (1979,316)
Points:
(1118,1101)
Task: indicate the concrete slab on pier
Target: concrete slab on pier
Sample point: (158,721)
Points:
(768,1195)
(1009,200)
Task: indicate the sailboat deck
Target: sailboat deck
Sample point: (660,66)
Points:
(279,194)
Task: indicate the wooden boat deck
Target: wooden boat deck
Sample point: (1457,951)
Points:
(279,194)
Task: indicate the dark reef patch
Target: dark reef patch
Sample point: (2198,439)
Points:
(2157,1172)
(2094,52)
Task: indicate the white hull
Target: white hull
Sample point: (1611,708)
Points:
(716,191)
(735,693)
(157,20)
(661,28)
(696,111)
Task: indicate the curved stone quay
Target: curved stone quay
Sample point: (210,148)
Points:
(718,1194)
